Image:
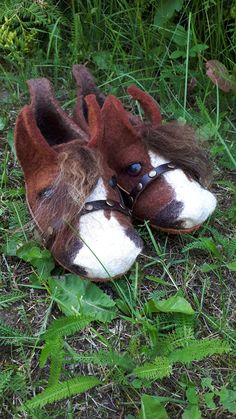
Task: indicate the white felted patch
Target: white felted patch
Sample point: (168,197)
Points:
(107,250)
(198,203)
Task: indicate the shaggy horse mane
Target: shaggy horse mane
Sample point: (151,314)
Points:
(79,170)
(180,144)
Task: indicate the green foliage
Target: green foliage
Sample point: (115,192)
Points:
(165,11)
(180,337)
(203,243)
(165,54)
(12,336)
(128,290)
(53,349)
(174,304)
(227,399)
(109,358)
(5,377)
(24,24)
(151,408)
(197,350)
(10,298)
(66,326)
(13,382)
(222,248)
(62,391)
(196,398)
(77,296)
(41,259)
(17,219)
(161,367)
(57,355)
(54,345)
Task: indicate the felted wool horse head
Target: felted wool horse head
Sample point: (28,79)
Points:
(160,167)
(71,191)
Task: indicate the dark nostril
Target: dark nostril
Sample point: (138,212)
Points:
(45,193)
(167,217)
(113,181)
(134,236)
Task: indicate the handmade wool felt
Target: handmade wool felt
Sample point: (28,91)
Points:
(64,171)
(52,121)
(176,201)
(149,105)
(86,87)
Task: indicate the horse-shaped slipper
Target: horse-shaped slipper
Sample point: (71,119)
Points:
(162,171)
(71,191)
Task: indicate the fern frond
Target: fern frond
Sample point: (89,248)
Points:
(198,350)
(53,349)
(203,243)
(173,321)
(12,336)
(18,385)
(161,367)
(66,326)
(57,358)
(110,358)
(5,377)
(10,298)
(181,337)
(62,391)
(45,352)
(12,381)
(227,244)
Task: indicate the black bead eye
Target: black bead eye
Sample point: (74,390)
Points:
(113,181)
(134,169)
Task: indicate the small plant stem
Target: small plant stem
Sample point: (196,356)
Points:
(136,281)
(222,141)
(186,65)
(18,217)
(102,339)
(217,108)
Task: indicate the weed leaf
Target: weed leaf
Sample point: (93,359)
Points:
(111,358)
(209,400)
(228,399)
(5,377)
(76,296)
(66,326)
(62,391)
(161,367)
(192,412)
(12,336)
(198,350)
(166,10)
(220,76)
(41,259)
(174,304)
(10,298)
(151,408)
(231,266)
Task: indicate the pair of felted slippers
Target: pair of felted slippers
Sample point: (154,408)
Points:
(86,175)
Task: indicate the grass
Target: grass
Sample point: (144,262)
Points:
(140,354)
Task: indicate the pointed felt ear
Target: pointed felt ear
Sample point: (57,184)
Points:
(117,124)
(53,122)
(86,86)
(94,121)
(32,150)
(149,105)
